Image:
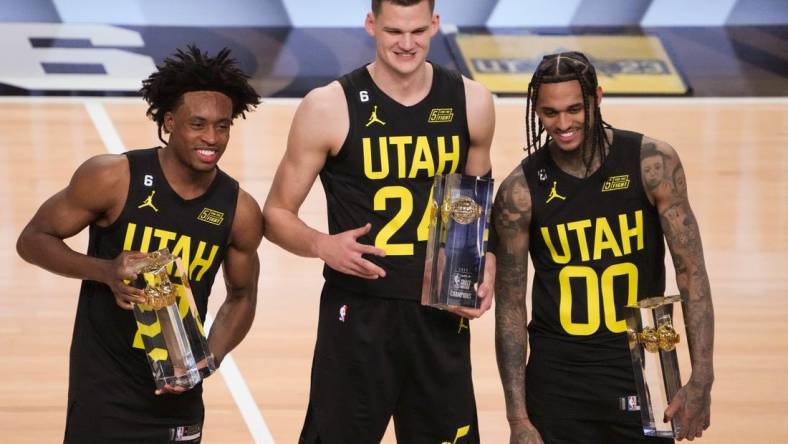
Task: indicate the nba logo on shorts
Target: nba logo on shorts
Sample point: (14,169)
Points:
(342,313)
(633,404)
(189,433)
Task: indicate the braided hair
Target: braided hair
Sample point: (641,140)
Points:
(565,67)
(192,70)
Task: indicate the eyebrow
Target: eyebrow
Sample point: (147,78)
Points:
(550,108)
(200,119)
(392,29)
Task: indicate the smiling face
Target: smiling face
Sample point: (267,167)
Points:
(402,35)
(561,110)
(199,129)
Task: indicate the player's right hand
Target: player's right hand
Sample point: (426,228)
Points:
(343,253)
(119,274)
(524,432)
(690,410)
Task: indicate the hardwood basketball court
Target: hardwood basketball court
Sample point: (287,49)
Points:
(734,154)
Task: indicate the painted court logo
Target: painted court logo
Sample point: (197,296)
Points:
(441,115)
(616,183)
(210,216)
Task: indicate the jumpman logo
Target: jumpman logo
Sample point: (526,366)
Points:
(148,202)
(554,194)
(463,324)
(373,118)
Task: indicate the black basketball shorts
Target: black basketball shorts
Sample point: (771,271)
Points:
(376,358)
(626,430)
(88,422)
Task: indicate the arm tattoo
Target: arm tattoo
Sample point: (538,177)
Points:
(653,164)
(511,216)
(683,238)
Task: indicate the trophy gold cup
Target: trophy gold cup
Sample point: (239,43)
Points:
(169,324)
(654,336)
(456,244)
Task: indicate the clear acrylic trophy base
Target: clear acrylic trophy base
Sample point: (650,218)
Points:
(655,331)
(454,262)
(169,325)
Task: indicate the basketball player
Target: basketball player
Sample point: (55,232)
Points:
(376,137)
(141,201)
(592,210)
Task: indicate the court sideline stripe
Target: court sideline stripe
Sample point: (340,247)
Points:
(104,126)
(230,372)
(242,396)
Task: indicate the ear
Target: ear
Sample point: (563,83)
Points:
(435,25)
(599,95)
(169,122)
(369,24)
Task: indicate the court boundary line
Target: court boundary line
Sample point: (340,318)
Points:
(105,128)
(229,370)
(242,396)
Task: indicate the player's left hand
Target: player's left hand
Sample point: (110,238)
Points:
(169,389)
(691,410)
(485,292)
(201,365)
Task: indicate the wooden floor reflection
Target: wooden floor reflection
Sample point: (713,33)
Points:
(734,153)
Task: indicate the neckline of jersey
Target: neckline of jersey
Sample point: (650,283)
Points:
(201,197)
(394,102)
(602,168)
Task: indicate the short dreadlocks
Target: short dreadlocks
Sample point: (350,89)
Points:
(193,70)
(565,67)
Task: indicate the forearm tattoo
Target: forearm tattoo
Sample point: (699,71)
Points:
(511,216)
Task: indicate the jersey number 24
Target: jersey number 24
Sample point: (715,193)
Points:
(405,198)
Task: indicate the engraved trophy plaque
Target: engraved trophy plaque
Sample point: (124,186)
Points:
(653,337)
(169,324)
(454,264)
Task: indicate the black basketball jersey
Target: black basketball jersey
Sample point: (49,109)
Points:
(384,171)
(596,245)
(109,368)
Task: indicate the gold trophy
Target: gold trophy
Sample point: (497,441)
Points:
(169,324)
(456,244)
(653,337)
